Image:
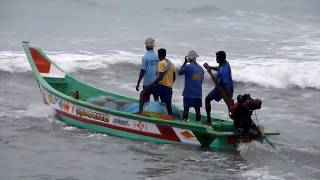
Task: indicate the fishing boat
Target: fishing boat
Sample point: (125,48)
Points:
(72,100)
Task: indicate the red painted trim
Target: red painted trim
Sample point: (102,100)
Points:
(164,129)
(41,62)
(168,133)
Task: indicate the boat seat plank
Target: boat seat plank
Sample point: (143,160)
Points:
(55,80)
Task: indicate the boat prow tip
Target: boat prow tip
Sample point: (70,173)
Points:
(25,42)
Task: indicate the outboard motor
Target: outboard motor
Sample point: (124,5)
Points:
(241,112)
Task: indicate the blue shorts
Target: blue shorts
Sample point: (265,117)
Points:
(192,102)
(214,94)
(165,93)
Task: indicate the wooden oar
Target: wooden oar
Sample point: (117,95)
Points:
(270,143)
(260,133)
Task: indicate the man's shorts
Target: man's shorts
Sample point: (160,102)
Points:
(192,102)
(165,93)
(145,94)
(214,94)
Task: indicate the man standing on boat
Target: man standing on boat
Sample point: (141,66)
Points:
(224,83)
(148,72)
(192,92)
(164,81)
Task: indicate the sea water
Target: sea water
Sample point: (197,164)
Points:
(273,48)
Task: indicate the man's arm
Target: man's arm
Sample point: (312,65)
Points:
(174,76)
(144,65)
(206,65)
(160,76)
(181,71)
(215,68)
(142,72)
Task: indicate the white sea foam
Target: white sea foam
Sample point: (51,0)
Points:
(37,110)
(69,128)
(13,62)
(97,135)
(264,71)
(250,13)
(278,74)
(192,159)
(260,173)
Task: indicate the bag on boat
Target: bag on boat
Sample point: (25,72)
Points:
(154,109)
(159,110)
(109,102)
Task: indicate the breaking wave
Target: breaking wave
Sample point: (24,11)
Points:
(199,10)
(271,73)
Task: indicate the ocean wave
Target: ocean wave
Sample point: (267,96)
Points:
(251,13)
(278,74)
(263,71)
(260,173)
(200,10)
(13,62)
(204,9)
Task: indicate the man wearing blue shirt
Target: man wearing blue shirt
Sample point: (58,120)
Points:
(224,80)
(148,72)
(192,92)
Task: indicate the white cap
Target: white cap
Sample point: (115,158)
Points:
(192,55)
(149,42)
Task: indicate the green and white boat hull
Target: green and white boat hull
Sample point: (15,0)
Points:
(57,87)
